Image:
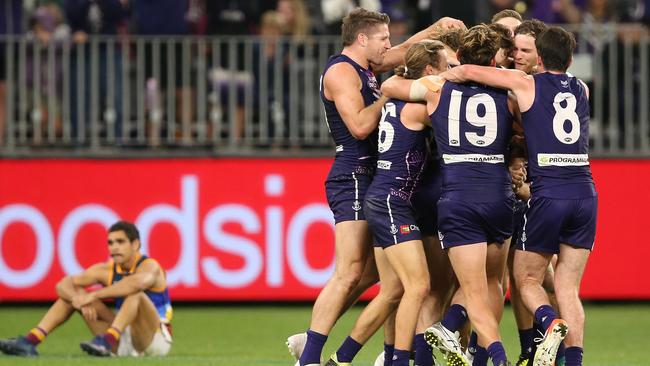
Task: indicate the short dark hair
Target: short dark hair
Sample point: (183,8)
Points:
(479,47)
(555,46)
(129,229)
(531,27)
(358,21)
(506,13)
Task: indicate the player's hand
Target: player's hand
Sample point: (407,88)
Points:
(449,23)
(451,75)
(81,300)
(517,172)
(89,313)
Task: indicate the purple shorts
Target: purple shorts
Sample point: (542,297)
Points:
(551,221)
(345,196)
(392,221)
(518,221)
(462,223)
(425,202)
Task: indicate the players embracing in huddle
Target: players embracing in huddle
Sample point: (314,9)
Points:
(499,134)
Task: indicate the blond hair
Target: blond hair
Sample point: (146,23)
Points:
(300,27)
(418,56)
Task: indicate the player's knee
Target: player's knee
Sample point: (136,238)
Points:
(391,294)
(565,291)
(525,279)
(348,280)
(135,297)
(419,289)
(349,276)
(60,287)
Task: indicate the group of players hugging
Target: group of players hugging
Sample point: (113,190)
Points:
(465,175)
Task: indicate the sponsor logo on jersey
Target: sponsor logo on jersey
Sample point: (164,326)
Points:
(562,159)
(472,158)
(356,206)
(393,229)
(339,148)
(565,83)
(405,229)
(440,236)
(384,164)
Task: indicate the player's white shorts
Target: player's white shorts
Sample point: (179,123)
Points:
(160,345)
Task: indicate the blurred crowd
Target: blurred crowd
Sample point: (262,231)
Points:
(298,18)
(74,21)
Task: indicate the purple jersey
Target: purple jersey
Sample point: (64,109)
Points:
(402,155)
(472,126)
(352,155)
(557,135)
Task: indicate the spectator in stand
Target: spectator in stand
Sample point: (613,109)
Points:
(399,26)
(164,18)
(47,31)
(235,17)
(335,10)
(315,12)
(628,78)
(10,24)
(294,18)
(88,18)
(272,51)
(557,11)
(232,17)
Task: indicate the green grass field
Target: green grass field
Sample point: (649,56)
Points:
(255,335)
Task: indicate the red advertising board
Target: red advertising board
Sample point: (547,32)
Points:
(240,229)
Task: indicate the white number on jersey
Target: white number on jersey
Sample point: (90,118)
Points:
(563,114)
(386,130)
(488,120)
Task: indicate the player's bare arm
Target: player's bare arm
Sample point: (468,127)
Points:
(395,56)
(342,85)
(71,286)
(521,84)
(144,279)
(517,145)
(411,90)
(414,116)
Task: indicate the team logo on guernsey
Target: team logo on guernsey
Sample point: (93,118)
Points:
(372,82)
(406,229)
(565,83)
(356,206)
(393,229)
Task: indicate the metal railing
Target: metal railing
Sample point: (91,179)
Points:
(243,95)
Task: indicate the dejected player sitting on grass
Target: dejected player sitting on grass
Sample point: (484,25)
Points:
(141,325)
